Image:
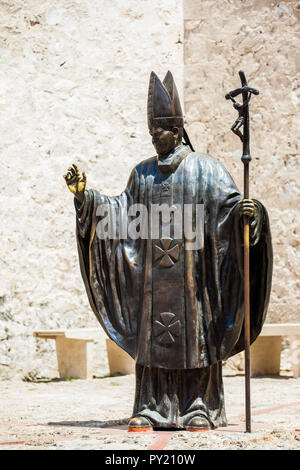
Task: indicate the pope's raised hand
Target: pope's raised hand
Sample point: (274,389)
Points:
(76,182)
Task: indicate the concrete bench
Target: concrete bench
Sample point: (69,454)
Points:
(75,353)
(74,350)
(266,350)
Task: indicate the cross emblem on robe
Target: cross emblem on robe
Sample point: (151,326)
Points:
(167,328)
(168,256)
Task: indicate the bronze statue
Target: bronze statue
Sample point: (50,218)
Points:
(175,305)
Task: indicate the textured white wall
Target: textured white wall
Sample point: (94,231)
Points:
(260,37)
(73,88)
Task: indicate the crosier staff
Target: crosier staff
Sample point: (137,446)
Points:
(243,120)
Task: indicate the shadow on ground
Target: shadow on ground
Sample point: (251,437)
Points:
(45,380)
(92,424)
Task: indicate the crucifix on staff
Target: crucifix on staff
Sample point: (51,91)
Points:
(243,121)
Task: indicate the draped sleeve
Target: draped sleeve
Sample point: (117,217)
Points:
(221,273)
(107,265)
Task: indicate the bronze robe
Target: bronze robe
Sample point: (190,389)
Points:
(183,309)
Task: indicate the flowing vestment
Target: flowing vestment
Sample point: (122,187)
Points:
(178,312)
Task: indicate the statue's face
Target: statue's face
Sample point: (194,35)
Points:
(164,141)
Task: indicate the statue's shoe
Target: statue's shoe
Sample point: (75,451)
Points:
(139,424)
(198,423)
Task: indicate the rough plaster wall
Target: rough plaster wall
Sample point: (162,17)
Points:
(73,88)
(260,37)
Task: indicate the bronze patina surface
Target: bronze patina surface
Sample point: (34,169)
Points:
(177,311)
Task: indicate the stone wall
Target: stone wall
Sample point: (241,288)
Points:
(73,88)
(260,37)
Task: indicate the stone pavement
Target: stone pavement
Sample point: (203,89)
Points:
(92,414)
